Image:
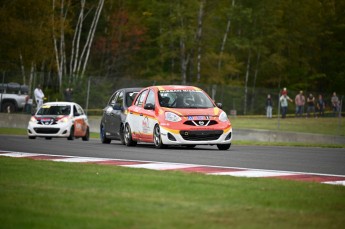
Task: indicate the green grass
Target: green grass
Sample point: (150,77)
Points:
(44,194)
(328,126)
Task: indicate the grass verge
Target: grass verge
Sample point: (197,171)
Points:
(327,126)
(44,194)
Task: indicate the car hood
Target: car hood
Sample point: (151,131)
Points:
(215,111)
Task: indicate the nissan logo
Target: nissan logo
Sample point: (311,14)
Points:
(201,123)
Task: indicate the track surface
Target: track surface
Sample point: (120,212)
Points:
(294,159)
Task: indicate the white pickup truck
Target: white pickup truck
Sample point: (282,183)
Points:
(13,97)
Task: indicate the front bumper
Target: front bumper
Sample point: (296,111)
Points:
(196,137)
(59,130)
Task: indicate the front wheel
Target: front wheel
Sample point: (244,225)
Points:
(103,136)
(87,135)
(32,137)
(71,134)
(157,139)
(223,146)
(128,136)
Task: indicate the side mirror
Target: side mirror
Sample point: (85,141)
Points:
(108,110)
(149,106)
(219,105)
(118,107)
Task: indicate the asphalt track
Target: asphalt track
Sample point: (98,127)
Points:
(293,159)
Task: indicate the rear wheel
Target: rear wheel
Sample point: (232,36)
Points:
(87,135)
(128,136)
(223,146)
(8,107)
(71,134)
(157,138)
(122,137)
(103,136)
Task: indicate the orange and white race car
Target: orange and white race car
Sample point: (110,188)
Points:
(61,120)
(177,115)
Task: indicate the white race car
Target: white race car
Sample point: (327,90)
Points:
(59,120)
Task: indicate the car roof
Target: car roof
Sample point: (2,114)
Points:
(60,103)
(130,89)
(176,87)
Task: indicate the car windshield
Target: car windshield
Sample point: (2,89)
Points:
(184,99)
(54,110)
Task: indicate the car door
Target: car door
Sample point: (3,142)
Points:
(148,118)
(80,121)
(116,114)
(135,116)
(108,120)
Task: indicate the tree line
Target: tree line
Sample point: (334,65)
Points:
(265,43)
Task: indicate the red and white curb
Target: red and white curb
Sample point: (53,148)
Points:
(205,169)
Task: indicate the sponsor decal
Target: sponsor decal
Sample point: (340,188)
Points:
(146,125)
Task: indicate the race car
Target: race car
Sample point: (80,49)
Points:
(114,114)
(177,115)
(59,120)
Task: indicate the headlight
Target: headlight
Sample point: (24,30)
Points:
(172,117)
(223,117)
(64,119)
(33,119)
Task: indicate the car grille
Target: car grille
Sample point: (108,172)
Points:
(51,121)
(201,135)
(46,130)
(200,122)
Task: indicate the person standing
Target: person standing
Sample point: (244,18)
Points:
(69,94)
(320,106)
(299,102)
(269,106)
(39,96)
(335,104)
(311,105)
(284,99)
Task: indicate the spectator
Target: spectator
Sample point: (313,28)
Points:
(39,96)
(284,104)
(269,106)
(335,104)
(299,101)
(68,93)
(311,105)
(284,91)
(320,106)
(28,104)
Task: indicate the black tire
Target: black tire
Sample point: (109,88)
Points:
(128,136)
(224,146)
(48,138)
(8,107)
(157,139)
(71,134)
(190,146)
(122,137)
(32,137)
(104,139)
(87,135)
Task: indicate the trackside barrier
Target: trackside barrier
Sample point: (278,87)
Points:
(21,121)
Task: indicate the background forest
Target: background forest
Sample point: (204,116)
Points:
(250,45)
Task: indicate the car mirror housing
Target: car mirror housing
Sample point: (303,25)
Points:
(219,105)
(117,107)
(149,106)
